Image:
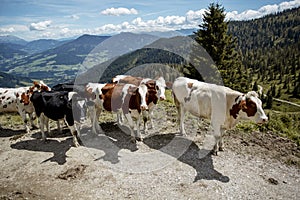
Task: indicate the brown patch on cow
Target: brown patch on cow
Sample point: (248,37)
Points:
(249,107)
(44,88)
(190,85)
(236,108)
(132,100)
(111,101)
(25,99)
(131,80)
(112,95)
(151,92)
(5,91)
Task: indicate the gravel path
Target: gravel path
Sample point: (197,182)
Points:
(163,166)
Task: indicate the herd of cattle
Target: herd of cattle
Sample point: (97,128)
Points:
(133,99)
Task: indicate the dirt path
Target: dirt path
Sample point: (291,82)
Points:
(163,166)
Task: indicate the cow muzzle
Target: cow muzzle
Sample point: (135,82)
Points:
(262,121)
(162,98)
(143,108)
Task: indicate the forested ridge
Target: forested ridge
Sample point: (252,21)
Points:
(270,51)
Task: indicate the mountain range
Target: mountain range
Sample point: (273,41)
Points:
(87,56)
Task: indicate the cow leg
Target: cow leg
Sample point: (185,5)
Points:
(58,127)
(145,119)
(46,122)
(221,144)
(32,118)
(23,116)
(74,133)
(138,131)
(151,116)
(94,115)
(181,114)
(120,119)
(218,138)
(131,126)
(41,122)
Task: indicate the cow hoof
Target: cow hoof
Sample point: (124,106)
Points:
(34,127)
(214,152)
(76,144)
(132,139)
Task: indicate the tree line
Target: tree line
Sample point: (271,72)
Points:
(262,51)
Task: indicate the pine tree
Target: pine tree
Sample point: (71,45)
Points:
(221,46)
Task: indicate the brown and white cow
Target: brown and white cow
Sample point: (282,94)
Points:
(222,105)
(18,100)
(127,99)
(160,86)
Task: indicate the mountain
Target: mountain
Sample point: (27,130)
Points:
(41,45)
(9,51)
(269,48)
(168,57)
(54,65)
(12,39)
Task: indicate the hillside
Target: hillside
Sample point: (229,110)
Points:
(10,51)
(54,65)
(41,45)
(270,51)
(11,81)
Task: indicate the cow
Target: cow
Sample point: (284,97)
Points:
(17,100)
(127,99)
(160,85)
(222,105)
(55,105)
(95,104)
(79,103)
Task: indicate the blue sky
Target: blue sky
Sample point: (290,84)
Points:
(34,19)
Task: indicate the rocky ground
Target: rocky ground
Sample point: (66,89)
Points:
(164,166)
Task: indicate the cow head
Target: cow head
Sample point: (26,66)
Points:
(39,86)
(142,90)
(161,88)
(249,106)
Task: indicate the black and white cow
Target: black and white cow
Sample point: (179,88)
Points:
(55,105)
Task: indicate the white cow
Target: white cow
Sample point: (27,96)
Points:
(222,105)
(18,100)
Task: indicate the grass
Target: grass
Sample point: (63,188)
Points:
(282,123)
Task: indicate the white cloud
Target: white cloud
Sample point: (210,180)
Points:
(40,26)
(265,10)
(13,29)
(191,19)
(119,11)
(7,30)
